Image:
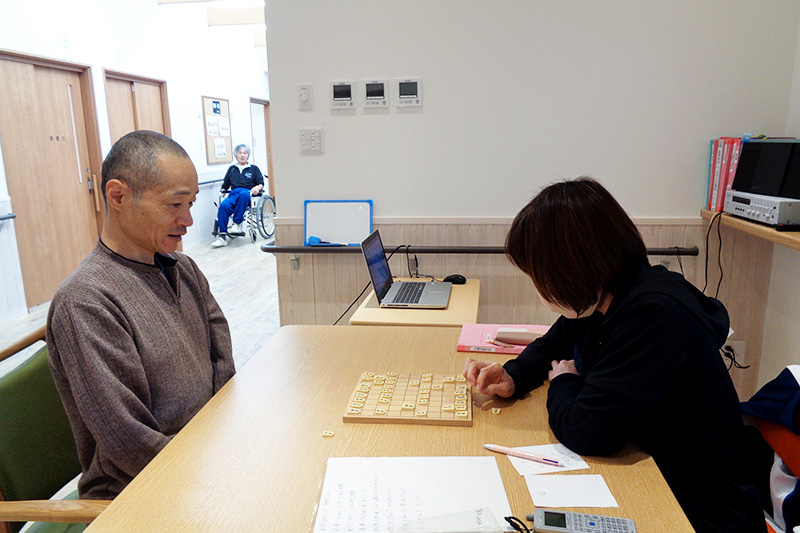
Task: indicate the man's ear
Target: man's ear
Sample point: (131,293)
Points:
(116,191)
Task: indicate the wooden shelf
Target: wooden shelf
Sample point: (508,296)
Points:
(790,239)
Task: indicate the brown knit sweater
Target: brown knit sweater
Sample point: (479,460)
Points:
(135,353)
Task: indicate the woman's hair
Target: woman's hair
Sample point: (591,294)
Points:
(575,242)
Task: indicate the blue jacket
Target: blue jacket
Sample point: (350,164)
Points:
(247,178)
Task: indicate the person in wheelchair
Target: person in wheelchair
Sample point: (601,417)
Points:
(243,180)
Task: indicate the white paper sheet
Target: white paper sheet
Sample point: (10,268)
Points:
(212,125)
(220,150)
(384,493)
(570,491)
(569,460)
(224,127)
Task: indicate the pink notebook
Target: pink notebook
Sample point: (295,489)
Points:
(477,337)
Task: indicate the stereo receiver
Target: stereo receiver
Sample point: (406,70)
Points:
(772,210)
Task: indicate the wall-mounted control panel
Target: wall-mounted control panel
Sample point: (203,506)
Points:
(343,95)
(408,92)
(376,93)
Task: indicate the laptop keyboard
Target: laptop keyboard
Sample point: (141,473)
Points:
(410,292)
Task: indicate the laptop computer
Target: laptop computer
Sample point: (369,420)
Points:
(408,294)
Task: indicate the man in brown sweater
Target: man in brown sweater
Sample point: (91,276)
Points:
(137,342)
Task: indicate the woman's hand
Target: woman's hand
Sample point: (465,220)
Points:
(562,367)
(489,378)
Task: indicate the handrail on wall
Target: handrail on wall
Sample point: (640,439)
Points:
(272,249)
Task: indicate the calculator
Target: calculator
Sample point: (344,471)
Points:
(553,521)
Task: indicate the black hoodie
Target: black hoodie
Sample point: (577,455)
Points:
(652,374)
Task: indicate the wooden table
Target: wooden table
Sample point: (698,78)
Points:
(253,458)
(462,309)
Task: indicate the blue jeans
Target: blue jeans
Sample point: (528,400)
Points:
(235,204)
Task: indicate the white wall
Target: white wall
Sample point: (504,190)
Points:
(519,93)
(170,42)
(781,335)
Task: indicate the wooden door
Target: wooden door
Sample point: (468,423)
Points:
(135,103)
(121,115)
(46,156)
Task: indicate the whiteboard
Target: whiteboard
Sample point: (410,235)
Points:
(337,222)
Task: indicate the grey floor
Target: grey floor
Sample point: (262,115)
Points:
(242,278)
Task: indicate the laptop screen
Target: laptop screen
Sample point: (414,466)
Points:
(378,266)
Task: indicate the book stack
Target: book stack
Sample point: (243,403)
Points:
(723,159)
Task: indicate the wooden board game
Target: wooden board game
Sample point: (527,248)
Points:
(435,399)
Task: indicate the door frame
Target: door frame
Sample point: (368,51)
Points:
(268,129)
(133,78)
(89,115)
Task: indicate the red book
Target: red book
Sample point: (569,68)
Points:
(736,149)
(719,196)
(477,337)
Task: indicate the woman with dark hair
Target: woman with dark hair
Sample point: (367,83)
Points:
(634,356)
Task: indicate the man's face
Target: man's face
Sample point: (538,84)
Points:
(242,156)
(156,221)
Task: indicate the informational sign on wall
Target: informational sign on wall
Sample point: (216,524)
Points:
(216,115)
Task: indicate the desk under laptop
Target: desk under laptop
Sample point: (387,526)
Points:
(462,309)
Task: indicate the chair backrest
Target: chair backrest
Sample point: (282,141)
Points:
(781,439)
(37,449)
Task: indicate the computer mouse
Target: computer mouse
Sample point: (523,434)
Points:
(456,279)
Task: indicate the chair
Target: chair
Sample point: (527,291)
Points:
(37,452)
(258,217)
(785,443)
(781,439)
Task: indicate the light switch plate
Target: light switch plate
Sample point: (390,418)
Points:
(311,141)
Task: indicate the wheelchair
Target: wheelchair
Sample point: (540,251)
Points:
(259,217)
